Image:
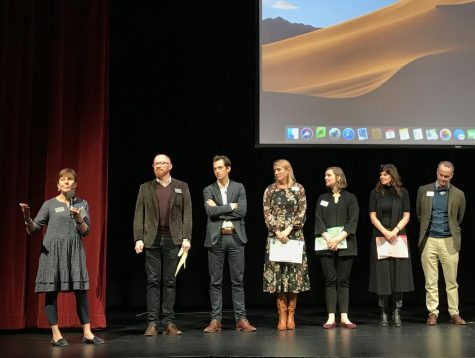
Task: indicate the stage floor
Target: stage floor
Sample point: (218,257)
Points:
(124,338)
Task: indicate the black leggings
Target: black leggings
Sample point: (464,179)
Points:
(383,300)
(51,307)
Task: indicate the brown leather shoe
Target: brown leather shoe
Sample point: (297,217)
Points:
(456,319)
(151,331)
(432,320)
(244,325)
(214,326)
(172,330)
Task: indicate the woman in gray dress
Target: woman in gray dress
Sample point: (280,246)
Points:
(62,263)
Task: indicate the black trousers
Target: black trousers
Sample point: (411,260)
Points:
(51,307)
(234,248)
(336,270)
(160,266)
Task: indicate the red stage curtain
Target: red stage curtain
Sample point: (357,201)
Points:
(53,114)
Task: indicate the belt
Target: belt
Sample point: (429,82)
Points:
(228,230)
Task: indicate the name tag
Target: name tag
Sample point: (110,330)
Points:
(178,190)
(295,188)
(324,203)
(60,209)
(430,193)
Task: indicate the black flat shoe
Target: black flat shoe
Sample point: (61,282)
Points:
(60,342)
(95,340)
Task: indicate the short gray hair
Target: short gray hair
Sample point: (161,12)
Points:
(447,164)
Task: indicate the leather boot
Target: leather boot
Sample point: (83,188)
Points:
(384,318)
(292,304)
(397,317)
(282,310)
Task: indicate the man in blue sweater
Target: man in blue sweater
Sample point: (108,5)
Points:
(440,208)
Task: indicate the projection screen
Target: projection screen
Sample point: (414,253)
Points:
(367,72)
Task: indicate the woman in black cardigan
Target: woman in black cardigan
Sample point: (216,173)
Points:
(389,212)
(337,208)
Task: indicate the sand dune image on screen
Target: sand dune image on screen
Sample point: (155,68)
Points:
(358,56)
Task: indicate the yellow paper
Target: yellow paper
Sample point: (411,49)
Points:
(182,261)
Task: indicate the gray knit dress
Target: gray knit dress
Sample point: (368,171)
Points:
(62,264)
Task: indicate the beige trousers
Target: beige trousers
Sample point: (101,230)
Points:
(442,250)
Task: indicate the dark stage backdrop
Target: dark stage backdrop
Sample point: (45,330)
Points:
(183,82)
(53,114)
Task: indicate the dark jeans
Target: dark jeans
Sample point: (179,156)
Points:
(161,259)
(51,307)
(234,247)
(336,270)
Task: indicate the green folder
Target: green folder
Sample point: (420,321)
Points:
(321,243)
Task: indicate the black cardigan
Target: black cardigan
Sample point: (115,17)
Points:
(347,216)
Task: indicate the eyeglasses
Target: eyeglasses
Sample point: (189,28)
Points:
(160,164)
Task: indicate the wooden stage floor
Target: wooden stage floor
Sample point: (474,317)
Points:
(124,338)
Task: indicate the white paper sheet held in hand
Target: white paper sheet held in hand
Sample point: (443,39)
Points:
(289,252)
(182,261)
(397,248)
(321,243)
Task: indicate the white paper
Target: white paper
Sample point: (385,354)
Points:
(397,248)
(289,252)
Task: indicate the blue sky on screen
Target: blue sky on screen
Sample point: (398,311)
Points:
(320,13)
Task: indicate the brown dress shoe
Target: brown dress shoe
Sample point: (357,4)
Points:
(214,326)
(432,320)
(151,331)
(172,330)
(244,325)
(456,319)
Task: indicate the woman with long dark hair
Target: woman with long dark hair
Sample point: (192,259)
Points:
(389,212)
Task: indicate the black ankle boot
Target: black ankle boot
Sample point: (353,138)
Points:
(397,317)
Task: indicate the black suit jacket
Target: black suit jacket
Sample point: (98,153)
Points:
(219,213)
(146,218)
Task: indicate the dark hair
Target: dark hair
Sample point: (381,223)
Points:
(64,172)
(224,158)
(396,183)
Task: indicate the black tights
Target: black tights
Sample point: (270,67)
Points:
(51,307)
(396,300)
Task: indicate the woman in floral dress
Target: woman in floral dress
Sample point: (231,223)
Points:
(284,213)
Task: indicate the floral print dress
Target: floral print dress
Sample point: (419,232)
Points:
(283,208)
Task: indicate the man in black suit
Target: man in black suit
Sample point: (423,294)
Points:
(225,204)
(162,225)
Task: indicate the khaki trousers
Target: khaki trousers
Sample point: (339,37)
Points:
(442,250)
